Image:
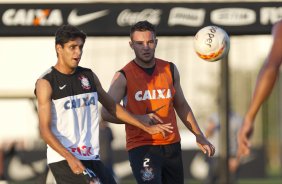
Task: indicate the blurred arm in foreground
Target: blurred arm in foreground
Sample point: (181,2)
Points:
(265,82)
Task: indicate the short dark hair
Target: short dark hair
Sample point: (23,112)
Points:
(66,33)
(142,26)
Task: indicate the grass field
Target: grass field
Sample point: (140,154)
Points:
(261,181)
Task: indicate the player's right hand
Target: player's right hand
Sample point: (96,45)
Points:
(76,166)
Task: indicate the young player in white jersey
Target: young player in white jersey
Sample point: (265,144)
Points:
(68,98)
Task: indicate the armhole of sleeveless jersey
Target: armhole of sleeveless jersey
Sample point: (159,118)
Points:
(123,73)
(91,74)
(172,71)
(34,91)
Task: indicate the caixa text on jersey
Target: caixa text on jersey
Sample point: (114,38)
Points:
(79,102)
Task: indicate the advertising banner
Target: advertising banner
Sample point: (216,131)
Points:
(115,19)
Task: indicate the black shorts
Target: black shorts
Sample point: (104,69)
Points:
(161,164)
(64,175)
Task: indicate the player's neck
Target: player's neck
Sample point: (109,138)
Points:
(64,69)
(145,64)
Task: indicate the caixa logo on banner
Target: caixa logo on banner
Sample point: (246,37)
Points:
(32,17)
(47,17)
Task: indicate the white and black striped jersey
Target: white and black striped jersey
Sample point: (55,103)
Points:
(74,113)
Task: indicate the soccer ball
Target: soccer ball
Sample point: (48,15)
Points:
(211,43)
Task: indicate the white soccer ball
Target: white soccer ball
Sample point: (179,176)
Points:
(211,43)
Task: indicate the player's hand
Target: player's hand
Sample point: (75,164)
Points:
(206,147)
(244,136)
(149,119)
(76,166)
(159,128)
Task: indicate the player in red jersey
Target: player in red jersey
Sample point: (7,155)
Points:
(150,90)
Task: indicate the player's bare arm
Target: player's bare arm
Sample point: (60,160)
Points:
(268,74)
(117,92)
(187,117)
(43,93)
(265,83)
(116,110)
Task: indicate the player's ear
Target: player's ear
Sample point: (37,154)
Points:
(58,48)
(131,44)
(156,42)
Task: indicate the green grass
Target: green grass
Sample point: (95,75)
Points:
(261,181)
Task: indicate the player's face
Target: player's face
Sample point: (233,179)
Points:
(71,53)
(144,44)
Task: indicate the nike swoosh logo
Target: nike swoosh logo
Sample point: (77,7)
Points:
(62,87)
(76,20)
(154,111)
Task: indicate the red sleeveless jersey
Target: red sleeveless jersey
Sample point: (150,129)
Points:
(146,93)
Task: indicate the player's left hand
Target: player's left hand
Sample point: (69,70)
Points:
(149,119)
(206,147)
(159,128)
